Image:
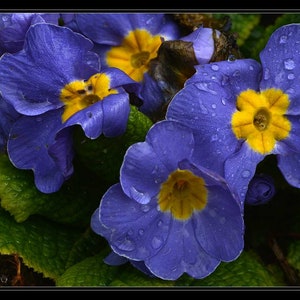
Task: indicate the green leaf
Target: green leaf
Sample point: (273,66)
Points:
(92,271)
(243,24)
(43,245)
(73,204)
(246,270)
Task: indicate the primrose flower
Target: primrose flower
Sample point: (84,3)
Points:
(56,81)
(174,216)
(129,42)
(242,111)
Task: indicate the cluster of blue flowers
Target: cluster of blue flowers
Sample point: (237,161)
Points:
(179,204)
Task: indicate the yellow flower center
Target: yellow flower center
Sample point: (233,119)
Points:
(182,194)
(134,53)
(260,119)
(80,94)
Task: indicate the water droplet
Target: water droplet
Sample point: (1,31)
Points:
(215,67)
(213,114)
(236,73)
(291,76)
(246,173)
(130,232)
(141,231)
(145,208)
(266,74)
(223,101)
(225,80)
(156,242)
(159,223)
(231,58)
(283,39)
(290,91)
(251,68)
(289,64)
(214,106)
(127,245)
(214,138)
(139,196)
(89,114)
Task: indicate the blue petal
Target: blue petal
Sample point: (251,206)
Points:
(110,29)
(219,227)
(240,169)
(289,166)
(133,230)
(181,253)
(203,43)
(281,60)
(140,162)
(28,149)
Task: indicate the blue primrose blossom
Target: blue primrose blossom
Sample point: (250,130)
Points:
(243,111)
(166,212)
(56,82)
(129,42)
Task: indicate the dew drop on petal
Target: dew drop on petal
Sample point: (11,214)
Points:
(156,242)
(159,223)
(223,101)
(215,67)
(289,64)
(283,39)
(231,58)
(266,74)
(126,245)
(141,231)
(145,208)
(246,174)
(291,76)
(213,106)
(139,196)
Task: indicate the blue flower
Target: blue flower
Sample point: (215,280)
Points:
(129,42)
(56,81)
(173,215)
(261,190)
(242,111)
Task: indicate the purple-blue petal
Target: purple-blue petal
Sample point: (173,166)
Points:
(111,28)
(28,148)
(240,168)
(181,253)
(289,166)
(280,60)
(203,43)
(133,230)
